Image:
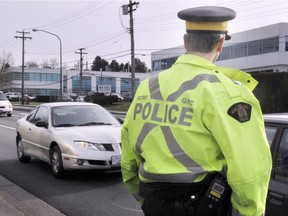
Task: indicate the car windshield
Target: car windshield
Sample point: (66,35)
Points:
(87,115)
(3,96)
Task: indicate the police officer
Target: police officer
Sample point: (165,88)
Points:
(192,120)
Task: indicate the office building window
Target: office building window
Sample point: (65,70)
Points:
(163,63)
(270,45)
(250,48)
(240,50)
(254,48)
(103,80)
(86,84)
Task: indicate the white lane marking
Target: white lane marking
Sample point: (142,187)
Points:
(3,126)
(130,209)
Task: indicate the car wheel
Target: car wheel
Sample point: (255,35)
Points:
(20,152)
(56,163)
(9,114)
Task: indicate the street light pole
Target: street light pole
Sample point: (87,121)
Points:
(61,88)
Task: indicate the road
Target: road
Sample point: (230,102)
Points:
(80,194)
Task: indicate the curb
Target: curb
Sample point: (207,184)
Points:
(16,201)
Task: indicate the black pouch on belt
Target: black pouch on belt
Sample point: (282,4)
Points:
(216,200)
(172,199)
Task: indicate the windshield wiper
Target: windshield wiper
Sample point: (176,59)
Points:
(65,125)
(94,123)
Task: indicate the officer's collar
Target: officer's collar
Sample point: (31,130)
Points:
(232,73)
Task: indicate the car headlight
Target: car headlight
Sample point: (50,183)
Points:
(8,106)
(90,146)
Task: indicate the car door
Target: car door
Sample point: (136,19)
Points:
(277,199)
(38,136)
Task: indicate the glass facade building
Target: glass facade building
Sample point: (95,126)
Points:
(257,50)
(46,82)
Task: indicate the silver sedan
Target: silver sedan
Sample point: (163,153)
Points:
(70,136)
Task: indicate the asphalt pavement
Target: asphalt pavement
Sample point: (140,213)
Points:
(15,201)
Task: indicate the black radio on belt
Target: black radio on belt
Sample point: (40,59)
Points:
(216,200)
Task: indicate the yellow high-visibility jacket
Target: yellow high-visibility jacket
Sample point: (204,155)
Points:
(196,118)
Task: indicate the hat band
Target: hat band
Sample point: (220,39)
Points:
(206,31)
(207,26)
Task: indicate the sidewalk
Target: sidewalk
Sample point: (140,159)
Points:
(14,201)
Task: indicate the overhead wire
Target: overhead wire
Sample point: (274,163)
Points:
(159,19)
(64,20)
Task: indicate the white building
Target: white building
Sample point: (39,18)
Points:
(262,49)
(46,81)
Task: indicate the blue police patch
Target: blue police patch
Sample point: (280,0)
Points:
(240,111)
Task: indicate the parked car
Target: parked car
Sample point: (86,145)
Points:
(120,98)
(70,136)
(13,95)
(65,98)
(80,99)
(30,97)
(276,126)
(5,105)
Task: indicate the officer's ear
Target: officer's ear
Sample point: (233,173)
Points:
(220,45)
(218,49)
(185,41)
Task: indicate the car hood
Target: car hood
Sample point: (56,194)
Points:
(96,134)
(5,102)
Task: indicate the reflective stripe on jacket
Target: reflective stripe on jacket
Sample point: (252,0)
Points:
(195,118)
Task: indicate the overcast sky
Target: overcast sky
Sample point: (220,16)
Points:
(100,28)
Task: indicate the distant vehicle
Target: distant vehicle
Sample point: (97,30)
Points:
(80,99)
(5,105)
(13,95)
(70,136)
(276,126)
(65,98)
(120,98)
(30,97)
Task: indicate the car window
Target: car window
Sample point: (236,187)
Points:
(81,116)
(41,115)
(281,168)
(270,133)
(30,116)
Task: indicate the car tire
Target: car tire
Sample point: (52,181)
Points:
(9,114)
(56,163)
(20,152)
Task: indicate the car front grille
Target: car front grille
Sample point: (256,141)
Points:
(97,162)
(108,147)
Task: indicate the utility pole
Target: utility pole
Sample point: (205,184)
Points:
(23,37)
(81,68)
(129,9)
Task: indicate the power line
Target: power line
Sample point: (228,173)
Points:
(63,21)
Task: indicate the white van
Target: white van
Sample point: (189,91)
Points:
(5,105)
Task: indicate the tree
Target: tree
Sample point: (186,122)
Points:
(6,61)
(121,67)
(53,63)
(98,64)
(114,66)
(127,67)
(140,66)
(31,64)
(45,63)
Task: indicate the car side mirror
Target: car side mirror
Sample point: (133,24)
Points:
(42,124)
(121,120)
